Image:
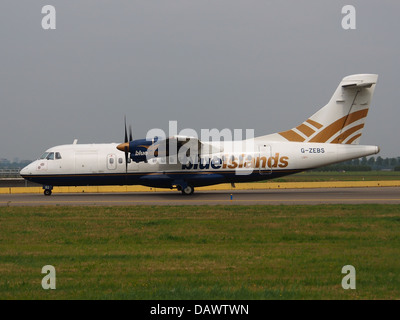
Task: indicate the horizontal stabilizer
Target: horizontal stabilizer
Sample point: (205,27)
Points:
(358,85)
(359,81)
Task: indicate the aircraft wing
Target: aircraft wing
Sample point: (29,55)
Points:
(171,145)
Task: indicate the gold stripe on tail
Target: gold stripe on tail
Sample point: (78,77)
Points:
(354,138)
(292,136)
(347,133)
(338,125)
(314,123)
(305,129)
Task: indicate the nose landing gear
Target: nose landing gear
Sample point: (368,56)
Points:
(47,190)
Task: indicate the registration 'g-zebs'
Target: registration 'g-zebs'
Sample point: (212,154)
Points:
(329,136)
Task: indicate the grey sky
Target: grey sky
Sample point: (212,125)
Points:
(265,65)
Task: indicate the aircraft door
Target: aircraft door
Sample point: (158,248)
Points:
(111,162)
(264,159)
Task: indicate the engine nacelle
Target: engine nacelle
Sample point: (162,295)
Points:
(142,150)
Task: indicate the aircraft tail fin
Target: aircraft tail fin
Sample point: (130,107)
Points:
(342,119)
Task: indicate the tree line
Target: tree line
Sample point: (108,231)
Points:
(365,164)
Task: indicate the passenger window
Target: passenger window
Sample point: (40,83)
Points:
(50,156)
(120,160)
(58,155)
(111,160)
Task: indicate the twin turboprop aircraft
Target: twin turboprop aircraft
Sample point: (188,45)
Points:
(329,136)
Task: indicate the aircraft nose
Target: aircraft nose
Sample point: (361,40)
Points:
(23,171)
(26,170)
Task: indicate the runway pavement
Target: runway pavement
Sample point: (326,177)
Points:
(388,195)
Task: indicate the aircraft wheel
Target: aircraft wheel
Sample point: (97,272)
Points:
(188,190)
(47,192)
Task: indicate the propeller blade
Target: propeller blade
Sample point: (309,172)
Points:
(126,133)
(130,133)
(126,148)
(126,159)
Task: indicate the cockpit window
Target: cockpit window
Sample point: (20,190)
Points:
(44,155)
(50,156)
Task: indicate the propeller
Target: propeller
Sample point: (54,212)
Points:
(126,133)
(125,146)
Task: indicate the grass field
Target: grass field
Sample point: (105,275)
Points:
(202,252)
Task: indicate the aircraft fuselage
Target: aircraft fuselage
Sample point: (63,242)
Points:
(103,164)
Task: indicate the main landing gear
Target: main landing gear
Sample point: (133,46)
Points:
(185,189)
(188,190)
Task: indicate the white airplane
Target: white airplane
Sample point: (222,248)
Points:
(329,136)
